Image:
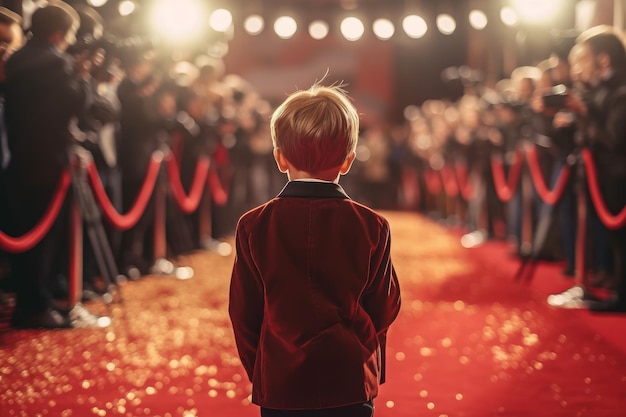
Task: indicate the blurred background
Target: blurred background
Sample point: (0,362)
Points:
(392,53)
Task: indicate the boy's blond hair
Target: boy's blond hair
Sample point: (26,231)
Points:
(316,129)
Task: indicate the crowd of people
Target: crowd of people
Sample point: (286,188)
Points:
(67,94)
(73,98)
(453,158)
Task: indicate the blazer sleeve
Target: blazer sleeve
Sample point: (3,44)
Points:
(381,298)
(246,302)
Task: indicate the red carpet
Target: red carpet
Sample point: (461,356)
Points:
(469,342)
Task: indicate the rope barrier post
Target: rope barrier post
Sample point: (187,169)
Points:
(527,218)
(581,223)
(160,245)
(204,218)
(76,252)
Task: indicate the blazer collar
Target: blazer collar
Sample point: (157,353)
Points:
(308,189)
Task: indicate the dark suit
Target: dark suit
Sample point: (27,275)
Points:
(313,292)
(606,131)
(42,95)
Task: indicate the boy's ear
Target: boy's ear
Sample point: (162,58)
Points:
(281,161)
(347,164)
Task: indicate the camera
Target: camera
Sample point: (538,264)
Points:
(555,98)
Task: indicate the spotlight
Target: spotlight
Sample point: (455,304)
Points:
(414,26)
(478,19)
(318,29)
(352,28)
(446,24)
(178,20)
(220,20)
(97,3)
(285,27)
(253,24)
(383,29)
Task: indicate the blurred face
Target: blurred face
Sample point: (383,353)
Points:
(66,40)
(584,67)
(11,39)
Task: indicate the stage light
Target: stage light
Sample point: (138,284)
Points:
(254,24)
(318,29)
(97,3)
(178,20)
(383,29)
(285,27)
(220,20)
(352,28)
(478,19)
(509,16)
(126,7)
(414,26)
(446,24)
(537,11)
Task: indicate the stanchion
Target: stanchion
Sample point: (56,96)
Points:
(160,244)
(76,252)
(581,224)
(92,218)
(204,218)
(526,238)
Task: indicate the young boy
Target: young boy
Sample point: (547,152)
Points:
(313,288)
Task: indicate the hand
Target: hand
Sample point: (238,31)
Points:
(563,119)
(576,104)
(536,104)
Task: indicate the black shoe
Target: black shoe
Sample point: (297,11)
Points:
(50,318)
(611,305)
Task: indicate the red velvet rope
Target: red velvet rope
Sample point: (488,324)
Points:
(186,203)
(506,189)
(465,187)
(32,237)
(218,194)
(611,221)
(433,182)
(450,185)
(128,220)
(549,196)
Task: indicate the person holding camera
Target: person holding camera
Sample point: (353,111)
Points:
(601,66)
(45,90)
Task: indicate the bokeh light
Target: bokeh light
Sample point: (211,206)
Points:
(318,29)
(414,26)
(221,20)
(352,28)
(383,29)
(509,16)
(446,24)
(97,3)
(285,27)
(254,24)
(537,11)
(126,7)
(178,20)
(478,19)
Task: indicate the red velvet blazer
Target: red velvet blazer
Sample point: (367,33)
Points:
(313,292)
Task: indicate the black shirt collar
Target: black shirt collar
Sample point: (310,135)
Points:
(310,189)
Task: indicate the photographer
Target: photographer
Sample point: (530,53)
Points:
(601,65)
(96,130)
(45,90)
(557,126)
